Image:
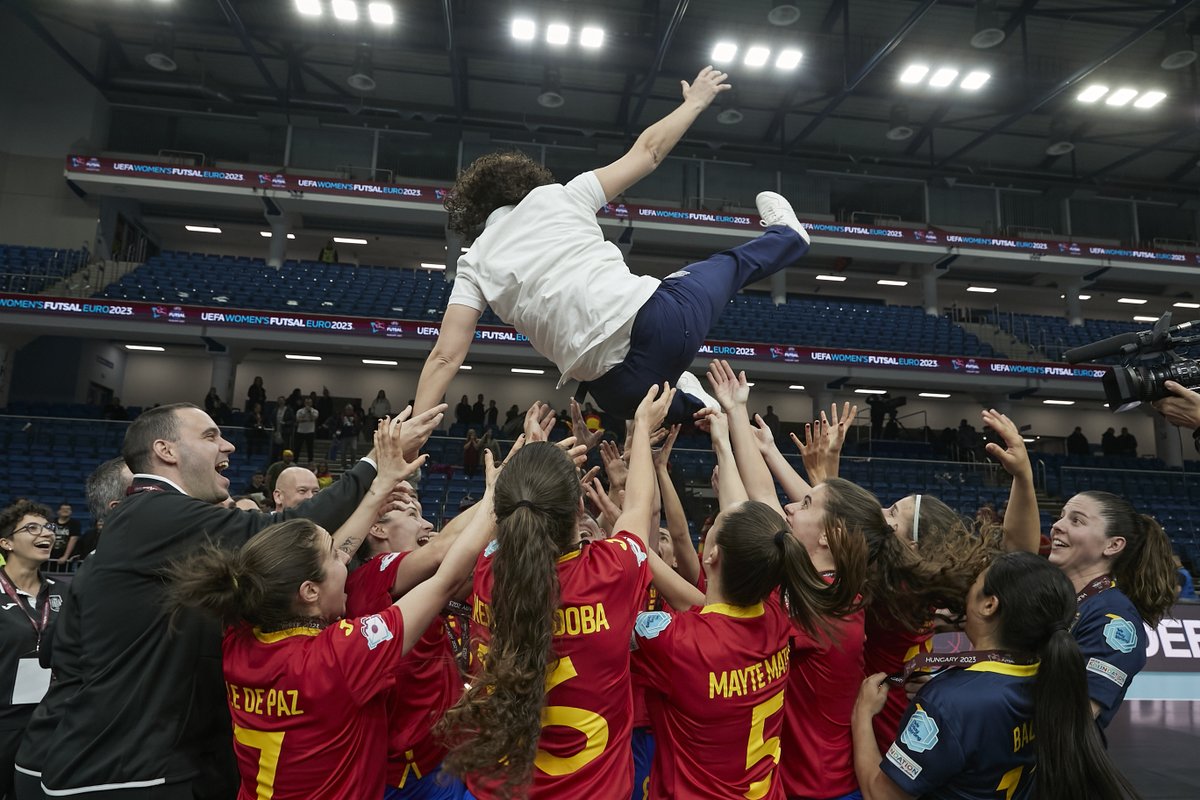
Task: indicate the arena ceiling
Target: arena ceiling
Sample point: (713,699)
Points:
(454,65)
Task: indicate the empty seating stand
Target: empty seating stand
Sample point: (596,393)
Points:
(29,270)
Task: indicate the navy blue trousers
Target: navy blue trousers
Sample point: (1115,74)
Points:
(672,325)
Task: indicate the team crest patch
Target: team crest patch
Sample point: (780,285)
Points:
(651,623)
(638,552)
(1121,635)
(492,547)
(55,602)
(902,762)
(921,732)
(375,631)
(386,560)
(1106,669)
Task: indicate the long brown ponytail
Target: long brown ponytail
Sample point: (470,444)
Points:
(495,727)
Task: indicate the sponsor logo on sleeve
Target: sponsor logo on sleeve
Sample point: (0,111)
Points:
(493,545)
(638,552)
(1120,634)
(651,623)
(387,560)
(921,732)
(902,762)
(55,602)
(1106,669)
(375,631)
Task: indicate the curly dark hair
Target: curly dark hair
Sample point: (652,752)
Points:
(491,182)
(10,516)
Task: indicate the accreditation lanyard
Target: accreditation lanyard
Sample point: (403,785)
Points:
(10,589)
(1098,586)
(933,663)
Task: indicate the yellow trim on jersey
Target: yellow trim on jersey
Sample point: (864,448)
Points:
(737,612)
(569,556)
(1016,670)
(279,636)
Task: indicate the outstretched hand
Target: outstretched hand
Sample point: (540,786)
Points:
(1012,456)
(539,421)
(392,464)
(654,406)
(579,428)
(729,389)
(414,432)
(709,83)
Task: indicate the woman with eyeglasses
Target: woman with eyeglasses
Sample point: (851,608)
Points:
(28,606)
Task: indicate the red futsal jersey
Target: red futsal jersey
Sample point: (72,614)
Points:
(584,749)
(825,677)
(715,688)
(427,685)
(641,715)
(888,648)
(308,707)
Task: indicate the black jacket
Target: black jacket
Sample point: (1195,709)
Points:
(150,707)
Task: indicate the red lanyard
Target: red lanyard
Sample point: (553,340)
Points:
(10,589)
(936,662)
(1098,586)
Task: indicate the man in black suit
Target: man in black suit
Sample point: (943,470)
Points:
(148,713)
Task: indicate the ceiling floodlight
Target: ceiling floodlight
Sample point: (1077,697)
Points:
(1121,97)
(914,73)
(724,52)
(1149,99)
(1092,93)
(757,56)
(591,38)
(524,30)
(381,13)
(943,77)
(975,80)
(789,59)
(309,8)
(345,10)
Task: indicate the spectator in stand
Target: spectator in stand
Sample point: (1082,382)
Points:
(324,407)
(1108,443)
(211,401)
(293,487)
(462,411)
(31,602)
(345,435)
(256,430)
(324,476)
(492,414)
(105,488)
(67,532)
(1077,443)
(381,407)
(478,412)
(306,427)
(257,486)
(1126,444)
(328,254)
(471,450)
(286,459)
(114,410)
(285,424)
(1185,589)
(295,399)
(772,421)
(257,393)
(512,423)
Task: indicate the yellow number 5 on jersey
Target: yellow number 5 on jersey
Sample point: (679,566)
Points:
(589,723)
(1010,782)
(758,748)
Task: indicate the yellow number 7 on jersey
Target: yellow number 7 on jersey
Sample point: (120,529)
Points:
(758,748)
(268,744)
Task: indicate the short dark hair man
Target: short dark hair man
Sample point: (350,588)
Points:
(153,721)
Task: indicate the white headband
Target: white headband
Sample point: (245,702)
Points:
(916,518)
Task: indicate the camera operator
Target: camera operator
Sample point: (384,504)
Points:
(1181,408)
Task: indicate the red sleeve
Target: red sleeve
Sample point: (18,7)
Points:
(654,645)
(625,555)
(369,588)
(366,650)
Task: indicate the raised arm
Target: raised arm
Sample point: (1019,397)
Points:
(639,487)
(449,351)
(794,486)
(732,392)
(656,141)
(687,562)
(1022,520)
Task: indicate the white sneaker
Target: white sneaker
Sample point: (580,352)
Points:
(776,210)
(690,384)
